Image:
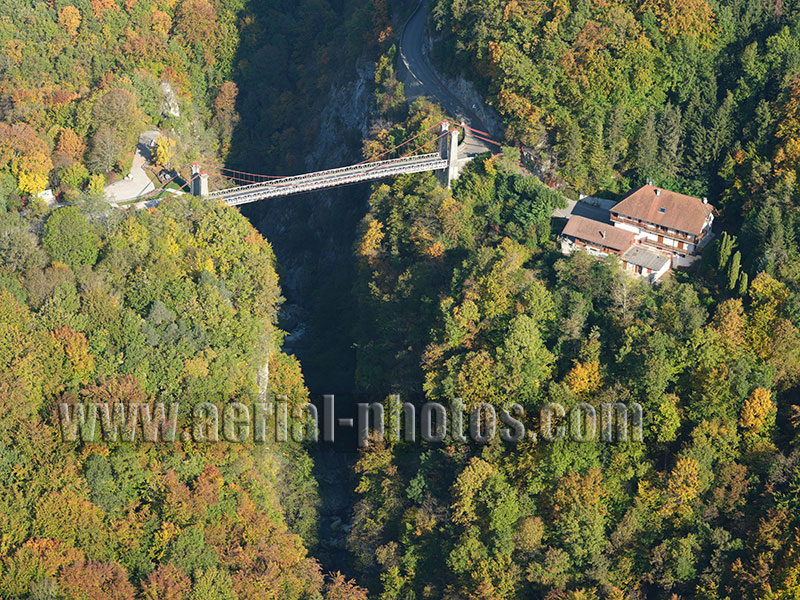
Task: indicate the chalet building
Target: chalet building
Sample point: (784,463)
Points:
(596,237)
(651,230)
(673,223)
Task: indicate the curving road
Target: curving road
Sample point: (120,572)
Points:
(421,79)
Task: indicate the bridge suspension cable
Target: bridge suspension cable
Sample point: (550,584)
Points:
(250,180)
(339,180)
(223,170)
(166,183)
(241,172)
(481,135)
(411,139)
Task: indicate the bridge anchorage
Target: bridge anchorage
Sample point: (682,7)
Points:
(446,163)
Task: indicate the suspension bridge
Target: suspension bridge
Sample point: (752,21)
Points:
(447,163)
(421,79)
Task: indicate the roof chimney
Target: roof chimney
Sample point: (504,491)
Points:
(603,234)
(658,192)
(705,200)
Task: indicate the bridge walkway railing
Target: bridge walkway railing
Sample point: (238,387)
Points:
(330,178)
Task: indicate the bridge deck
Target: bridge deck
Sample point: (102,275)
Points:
(330,178)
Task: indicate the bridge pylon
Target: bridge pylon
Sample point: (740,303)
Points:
(199,179)
(448,148)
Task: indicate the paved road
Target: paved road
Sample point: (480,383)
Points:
(139,184)
(583,209)
(421,79)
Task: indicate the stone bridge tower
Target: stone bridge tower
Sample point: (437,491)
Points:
(199,179)
(448,148)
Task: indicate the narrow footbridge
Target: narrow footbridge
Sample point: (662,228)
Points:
(446,163)
(321,180)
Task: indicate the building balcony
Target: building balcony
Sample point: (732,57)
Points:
(590,247)
(658,230)
(666,247)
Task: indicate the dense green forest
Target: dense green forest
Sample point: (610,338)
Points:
(80,80)
(695,95)
(176,304)
(460,293)
(474,303)
(463,294)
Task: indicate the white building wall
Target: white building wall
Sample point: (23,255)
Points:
(568,247)
(709,222)
(626,226)
(651,276)
(660,273)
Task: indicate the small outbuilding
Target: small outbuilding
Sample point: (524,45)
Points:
(645,262)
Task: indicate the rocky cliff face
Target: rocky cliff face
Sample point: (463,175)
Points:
(345,116)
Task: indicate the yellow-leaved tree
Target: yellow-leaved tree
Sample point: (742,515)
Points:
(584,378)
(164,151)
(683,487)
(758,412)
(69,18)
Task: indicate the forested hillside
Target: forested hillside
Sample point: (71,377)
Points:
(176,304)
(459,293)
(698,95)
(463,294)
(80,80)
(467,286)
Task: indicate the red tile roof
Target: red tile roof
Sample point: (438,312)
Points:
(665,208)
(598,233)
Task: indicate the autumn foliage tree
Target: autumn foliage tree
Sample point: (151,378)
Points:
(340,588)
(70,238)
(27,156)
(225,115)
(70,144)
(69,18)
(90,316)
